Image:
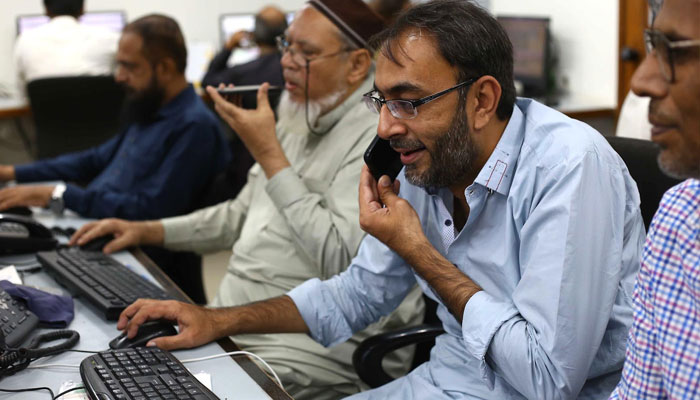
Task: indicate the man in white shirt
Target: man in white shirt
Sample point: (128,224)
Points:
(64,47)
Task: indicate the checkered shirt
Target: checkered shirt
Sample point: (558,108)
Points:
(663,347)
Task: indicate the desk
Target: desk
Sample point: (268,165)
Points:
(232,377)
(13,107)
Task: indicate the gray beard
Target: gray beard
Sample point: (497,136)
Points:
(451,159)
(291,113)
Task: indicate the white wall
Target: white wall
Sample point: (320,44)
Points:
(586,33)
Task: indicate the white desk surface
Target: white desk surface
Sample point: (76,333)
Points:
(228,379)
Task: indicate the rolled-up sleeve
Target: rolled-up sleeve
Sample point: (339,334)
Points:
(373,286)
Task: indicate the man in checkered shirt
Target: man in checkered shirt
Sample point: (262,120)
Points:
(663,349)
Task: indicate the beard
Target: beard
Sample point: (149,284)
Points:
(141,106)
(678,161)
(451,159)
(293,113)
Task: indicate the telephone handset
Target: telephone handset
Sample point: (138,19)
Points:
(19,234)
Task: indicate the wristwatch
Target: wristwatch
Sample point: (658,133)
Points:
(56,203)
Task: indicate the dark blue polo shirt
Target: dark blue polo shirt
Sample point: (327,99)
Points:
(148,171)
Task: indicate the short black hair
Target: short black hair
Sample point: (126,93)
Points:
(266,31)
(162,38)
(468,37)
(64,7)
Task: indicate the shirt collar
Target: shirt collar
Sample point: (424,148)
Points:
(177,103)
(328,120)
(497,174)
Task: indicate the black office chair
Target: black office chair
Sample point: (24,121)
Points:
(640,157)
(74,113)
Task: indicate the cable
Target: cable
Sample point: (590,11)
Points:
(13,360)
(68,391)
(29,390)
(238,353)
(52,365)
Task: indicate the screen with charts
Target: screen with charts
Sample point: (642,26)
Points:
(530,38)
(112,20)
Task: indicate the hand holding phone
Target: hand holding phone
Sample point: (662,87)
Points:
(245,89)
(382,159)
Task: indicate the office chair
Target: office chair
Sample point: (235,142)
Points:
(74,113)
(640,157)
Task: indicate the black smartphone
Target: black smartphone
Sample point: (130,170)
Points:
(382,159)
(244,89)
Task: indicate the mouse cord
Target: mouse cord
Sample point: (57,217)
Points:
(238,353)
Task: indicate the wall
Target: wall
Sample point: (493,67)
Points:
(586,34)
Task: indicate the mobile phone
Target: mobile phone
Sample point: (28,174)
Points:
(382,159)
(244,89)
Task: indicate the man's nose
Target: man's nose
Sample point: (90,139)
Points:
(389,126)
(648,80)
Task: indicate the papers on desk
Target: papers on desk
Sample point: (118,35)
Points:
(9,273)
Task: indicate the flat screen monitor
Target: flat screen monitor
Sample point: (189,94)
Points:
(112,20)
(232,23)
(530,38)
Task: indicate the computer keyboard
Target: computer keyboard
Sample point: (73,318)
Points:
(105,282)
(140,373)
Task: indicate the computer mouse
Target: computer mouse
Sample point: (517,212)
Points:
(98,243)
(147,331)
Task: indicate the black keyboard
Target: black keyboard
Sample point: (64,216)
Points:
(16,322)
(140,373)
(105,282)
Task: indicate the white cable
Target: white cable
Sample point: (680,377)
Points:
(236,353)
(52,365)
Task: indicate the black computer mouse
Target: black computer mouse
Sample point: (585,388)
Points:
(98,243)
(147,331)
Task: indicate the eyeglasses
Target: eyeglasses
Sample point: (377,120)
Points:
(656,42)
(299,59)
(406,109)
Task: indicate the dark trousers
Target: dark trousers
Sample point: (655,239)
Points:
(183,267)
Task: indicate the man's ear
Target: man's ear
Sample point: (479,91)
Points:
(166,69)
(485,94)
(360,63)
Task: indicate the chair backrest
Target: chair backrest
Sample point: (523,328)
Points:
(641,159)
(74,113)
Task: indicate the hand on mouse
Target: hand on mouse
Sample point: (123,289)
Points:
(196,324)
(126,234)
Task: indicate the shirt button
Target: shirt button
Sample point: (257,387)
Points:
(448,222)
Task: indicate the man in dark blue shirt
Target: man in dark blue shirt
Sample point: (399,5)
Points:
(157,167)
(159,164)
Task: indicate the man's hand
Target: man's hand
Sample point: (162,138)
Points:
(197,325)
(256,128)
(126,234)
(17,196)
(234,41)
(388,217)
(7,173)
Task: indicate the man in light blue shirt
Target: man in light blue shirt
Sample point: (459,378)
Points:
(523,224)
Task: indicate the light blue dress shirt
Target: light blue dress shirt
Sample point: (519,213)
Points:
(553,237)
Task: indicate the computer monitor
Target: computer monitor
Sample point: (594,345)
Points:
(112,20)
(232,23)
(530,38)
(290,17)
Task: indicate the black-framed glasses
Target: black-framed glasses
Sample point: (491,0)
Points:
(299,59)
(656,42)
(406,109)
